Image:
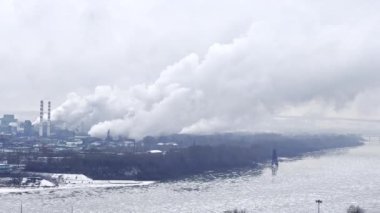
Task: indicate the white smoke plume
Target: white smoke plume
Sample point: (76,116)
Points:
(296,66)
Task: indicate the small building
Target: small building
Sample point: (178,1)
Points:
(73,143)
(155,151)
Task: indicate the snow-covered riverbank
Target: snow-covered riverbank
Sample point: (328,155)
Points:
(49,181)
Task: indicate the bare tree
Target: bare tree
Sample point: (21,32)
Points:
(355,209)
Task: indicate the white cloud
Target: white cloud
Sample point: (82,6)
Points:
(294,58)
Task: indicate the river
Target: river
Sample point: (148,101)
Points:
(338,177)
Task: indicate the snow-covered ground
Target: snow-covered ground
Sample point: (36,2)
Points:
(71,181)
(64,179)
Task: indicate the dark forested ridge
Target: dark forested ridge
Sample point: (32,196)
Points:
(194,154)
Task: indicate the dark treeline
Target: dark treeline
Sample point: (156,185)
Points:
(201,153)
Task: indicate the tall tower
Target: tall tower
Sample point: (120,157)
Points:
(41,130)
(49,122)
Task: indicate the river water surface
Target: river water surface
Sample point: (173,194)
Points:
(338,177)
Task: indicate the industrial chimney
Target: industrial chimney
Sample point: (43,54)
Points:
(49,122)
(41,130)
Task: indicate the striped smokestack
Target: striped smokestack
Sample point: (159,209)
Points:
(49,122)
(41,130)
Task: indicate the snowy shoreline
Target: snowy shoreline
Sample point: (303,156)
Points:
(70,181)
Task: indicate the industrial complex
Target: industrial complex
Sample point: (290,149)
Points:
(43,141)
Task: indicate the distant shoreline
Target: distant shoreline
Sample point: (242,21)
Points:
(191,160)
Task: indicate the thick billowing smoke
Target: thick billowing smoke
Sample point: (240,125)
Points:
(296,66)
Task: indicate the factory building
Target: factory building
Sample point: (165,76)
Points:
(8,124)
(8,119)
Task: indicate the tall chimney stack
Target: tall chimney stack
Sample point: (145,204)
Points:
(49,122)
(41,130)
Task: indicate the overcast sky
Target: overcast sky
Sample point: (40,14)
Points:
(50,48)
(168,66)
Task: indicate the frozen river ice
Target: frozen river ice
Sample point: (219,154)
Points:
(338,177)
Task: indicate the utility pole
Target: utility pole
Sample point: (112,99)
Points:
(318,203)
(21,207)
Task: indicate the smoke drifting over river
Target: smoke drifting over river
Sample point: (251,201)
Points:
(301,62)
